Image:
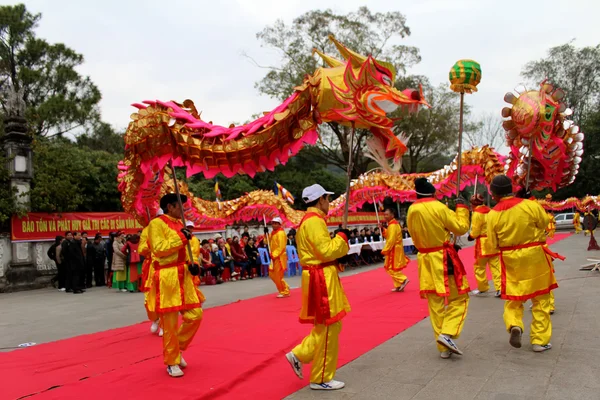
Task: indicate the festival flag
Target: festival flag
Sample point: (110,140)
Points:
(218,191)
(283,193)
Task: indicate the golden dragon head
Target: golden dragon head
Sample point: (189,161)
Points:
(360,92)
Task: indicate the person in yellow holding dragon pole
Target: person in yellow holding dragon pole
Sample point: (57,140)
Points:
(278,243)
(324,302)
(172,284)
(516,229)
(483,256)
(442,276)
(395,260)
(577,222)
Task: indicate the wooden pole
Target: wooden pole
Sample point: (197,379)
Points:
(460,135)
(376,211)
(528,167)
(189,245)
(345,220)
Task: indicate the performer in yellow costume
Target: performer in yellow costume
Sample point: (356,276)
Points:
(324,302)
(172,284)
(577,222)
(195,244)
(483,256)
(516,229)
(442,277)
(147,274)
(551,228)
(278,242)
(395,260)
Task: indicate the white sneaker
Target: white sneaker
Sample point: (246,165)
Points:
(295,363)
(154,327)
(235,274)
(449,344)
(539,348)
(182,362)
(401,287)
(124,290)
(160,332)
(445,354)
(174,371)
(281,296)
(62,290)
(331,385)
(515,337)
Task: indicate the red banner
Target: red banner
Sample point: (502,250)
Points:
(44,226)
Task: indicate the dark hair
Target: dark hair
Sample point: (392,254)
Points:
(314,202)
(204,242)
(84,233)
(245,226)
(67,233)
(392,211)
(58,239)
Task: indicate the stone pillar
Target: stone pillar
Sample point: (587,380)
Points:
(16,143)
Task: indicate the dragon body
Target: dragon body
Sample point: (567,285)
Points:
(356,92)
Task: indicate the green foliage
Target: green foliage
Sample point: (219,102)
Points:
(102,136)
(575,70)
(58,98)
(68,177)
(434,131)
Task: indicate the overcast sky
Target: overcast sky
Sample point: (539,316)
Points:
(176,49)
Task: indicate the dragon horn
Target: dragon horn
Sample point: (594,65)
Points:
(332,62)
(356,59)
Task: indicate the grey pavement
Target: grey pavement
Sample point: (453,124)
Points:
(408,366)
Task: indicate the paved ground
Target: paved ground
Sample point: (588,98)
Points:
(405,367)
(408,366)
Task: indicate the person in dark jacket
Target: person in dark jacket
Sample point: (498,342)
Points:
(108,248)
(75,261)
(95,256)
(252,253)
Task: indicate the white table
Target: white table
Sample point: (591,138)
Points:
(375,246)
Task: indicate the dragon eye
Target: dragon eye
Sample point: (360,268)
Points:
(387,80)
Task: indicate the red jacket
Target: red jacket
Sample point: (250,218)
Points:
(132,248)
(238,253)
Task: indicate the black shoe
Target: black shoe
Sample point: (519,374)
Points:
(78,291)
(69,291)
(88,286)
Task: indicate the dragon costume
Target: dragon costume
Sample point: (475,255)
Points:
(355,92)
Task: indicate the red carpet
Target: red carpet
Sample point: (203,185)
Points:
(237,354)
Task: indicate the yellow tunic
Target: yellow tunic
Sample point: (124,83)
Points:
(318,255)
(395,259)
(172,283)
(479,232)
(516,229)
(429,224)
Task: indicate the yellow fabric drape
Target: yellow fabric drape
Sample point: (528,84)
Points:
(177,340)
(577,222)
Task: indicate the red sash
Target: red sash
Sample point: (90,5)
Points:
(534,244)
(450,251)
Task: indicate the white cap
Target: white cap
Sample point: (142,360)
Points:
(276,219)
(159,212)
(189,223)
(313,193)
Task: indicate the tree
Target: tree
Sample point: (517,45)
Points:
(58,98)
(68,177)
(102,136)
(433,132)
(486,130)
(575,70)
(364,32)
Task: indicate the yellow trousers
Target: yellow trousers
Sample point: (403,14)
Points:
(577,229)
(448,319)
(552,301)
(276,275)
(397,276)
(177,340)
(481,273)
(541,325)
(320,348)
